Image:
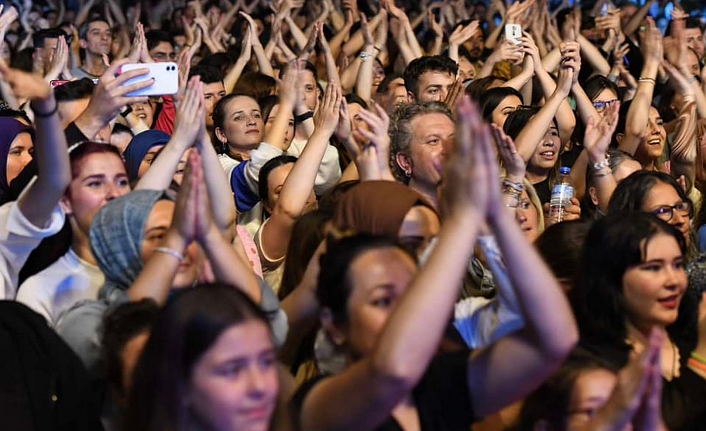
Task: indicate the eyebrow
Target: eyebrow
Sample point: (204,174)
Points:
(156,228)
(94,177)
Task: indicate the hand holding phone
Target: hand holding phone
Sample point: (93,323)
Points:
(513,33)
(165,76)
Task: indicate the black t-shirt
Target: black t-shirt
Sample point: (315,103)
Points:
(442,397)
(684,402)
(544,191)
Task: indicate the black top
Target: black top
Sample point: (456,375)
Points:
(441,397)
(683,402)
(544,191)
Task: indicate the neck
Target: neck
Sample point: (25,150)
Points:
(239,153)
(536,175)
(300,134)
(81,245)
(428,192)
(93,64)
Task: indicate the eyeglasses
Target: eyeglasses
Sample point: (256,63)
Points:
(159,56)
(523,205)
(666,212)
(601,105)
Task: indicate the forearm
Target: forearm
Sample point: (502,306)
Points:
(300,181)
(234,73)
(636,20)
(494,35)
(219,191)
(436,47)
(551,61)
(639,109)
(364,84)
(263,61)
(54,172)
(298,35)
(156,278)
(584,105)
(228,267)
(412,39)
(160,173)
(349,75)
(336,42)
(593,56)
(534,130)
(278,131)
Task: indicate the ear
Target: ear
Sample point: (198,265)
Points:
(220,135)
(594,195)
(619,138)
(404,162)
(65,204)
(82,43)
(332,330)
(410,97)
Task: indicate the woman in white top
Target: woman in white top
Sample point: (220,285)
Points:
(35,215)
(98,176)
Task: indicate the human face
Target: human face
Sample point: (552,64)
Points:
(653,143)
(432,134)
(275,183)
(694,40)
(692,63)
(311,90)
(101,177)
(234,385)
(70,110)
(653,289)
(466,70)
(50,45)
(212,93)
(663,194)
(507,106)
(158,222)
(144,112)
(419,226)
(130,355)
(19,155)
(178,176)
(99,38)
(475,45)
(357,123)
(547,152)
(527,217)
(378,74)
(163,52)
(398,92)
(433,86)
(148,159)
(242,128)
(379,278)
(602,100)
(5,52)
(591,391)
(289,134)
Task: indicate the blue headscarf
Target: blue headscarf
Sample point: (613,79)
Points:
(116,238)
(9,129)
(138,147)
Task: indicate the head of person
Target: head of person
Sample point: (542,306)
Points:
(361,279)
(478,87)
(420,133)
(256,85)
(529,213)
(561,246)
(145,111)
(98,176)
(96,37)
(621,163)
(309,82)
(602,92)
(7,51)
(160,46)
(210,363)
(72,99)
(213,88)
(120,136)
(355,105)
(16,146)
(571,397)
(654,139)
(125,332)
(125,233)
(656,193)
(45,43)
(694,36)
(378,73)
(391,92)
(429,78)
(142,150)
(270,109)
(272,176)
(632,276)
(497,103)
(546,155)
(308,232)
(389,209)
(238,124)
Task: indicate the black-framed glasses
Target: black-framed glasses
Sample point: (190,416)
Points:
(666,212)
(601,105)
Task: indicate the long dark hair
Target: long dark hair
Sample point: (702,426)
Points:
(614,244)
(183,331)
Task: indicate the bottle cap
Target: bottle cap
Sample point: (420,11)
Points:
(565,170)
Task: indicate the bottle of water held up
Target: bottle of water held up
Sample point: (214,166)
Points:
(562,192)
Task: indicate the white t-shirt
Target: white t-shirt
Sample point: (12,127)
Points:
(18,237)
(61,285)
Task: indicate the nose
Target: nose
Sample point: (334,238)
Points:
(520,216)
(251,121)
(257,383)
(678,219)
(111,191)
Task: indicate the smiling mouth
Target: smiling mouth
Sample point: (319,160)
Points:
(670,302)
(548,154)
(654,142)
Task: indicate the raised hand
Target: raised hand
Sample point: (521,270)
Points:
(190,114)
(365,29)
(571,58)
(512,161)
(204,223)
(597,136)
(652,42)
(326,117)
(59,60)
(377,134)
(434,25)
(25,85)
(311,42)
(463,33)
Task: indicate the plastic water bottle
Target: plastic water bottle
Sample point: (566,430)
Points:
(562,192)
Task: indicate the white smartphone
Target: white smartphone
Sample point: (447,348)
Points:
(166,78)
(513,33)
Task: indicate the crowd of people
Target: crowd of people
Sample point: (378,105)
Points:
(349,216)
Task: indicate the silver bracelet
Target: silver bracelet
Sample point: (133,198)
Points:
(601,165)
(169,251)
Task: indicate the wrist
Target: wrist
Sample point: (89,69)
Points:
(211,238)
(174,241)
